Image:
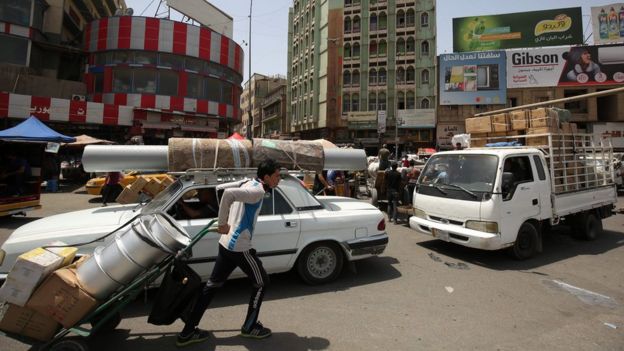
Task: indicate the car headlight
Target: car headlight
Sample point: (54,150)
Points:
(483,226)
(419,213)
(2,253)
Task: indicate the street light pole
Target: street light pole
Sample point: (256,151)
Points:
(250,117)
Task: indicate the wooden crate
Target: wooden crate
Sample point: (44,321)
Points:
(519,120)
(500,123)
(479,125)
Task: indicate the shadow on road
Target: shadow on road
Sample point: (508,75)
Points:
(124,339)
(558,246)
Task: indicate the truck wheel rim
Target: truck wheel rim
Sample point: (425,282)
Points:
(321,262)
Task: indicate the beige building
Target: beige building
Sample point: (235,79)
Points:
(274,121)
(356,64)
(261,87)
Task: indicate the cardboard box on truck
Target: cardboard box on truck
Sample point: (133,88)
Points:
(519,120)
(479,125)
(500,123)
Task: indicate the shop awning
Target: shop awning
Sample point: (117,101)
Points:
(34,130)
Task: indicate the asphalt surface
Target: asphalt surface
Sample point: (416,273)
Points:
(420,294)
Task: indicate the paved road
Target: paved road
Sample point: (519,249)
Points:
(421,294)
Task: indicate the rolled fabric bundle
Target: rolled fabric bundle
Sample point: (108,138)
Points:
(186,153)
(301,154)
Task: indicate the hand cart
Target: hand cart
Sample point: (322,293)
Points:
(107,316)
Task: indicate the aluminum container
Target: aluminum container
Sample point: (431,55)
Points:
(94,279)
(116,263)
(139,246)
(166,232)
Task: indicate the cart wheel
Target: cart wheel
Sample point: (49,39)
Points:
(73,344)
(109,325)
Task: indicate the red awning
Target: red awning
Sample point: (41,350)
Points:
(236,136)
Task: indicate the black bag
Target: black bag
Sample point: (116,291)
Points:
(180,287)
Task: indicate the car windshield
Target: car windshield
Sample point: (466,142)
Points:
(159,202)
(459,175)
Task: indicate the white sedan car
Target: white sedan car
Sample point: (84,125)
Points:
(314,235)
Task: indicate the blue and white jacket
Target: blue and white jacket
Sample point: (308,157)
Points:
(239,208)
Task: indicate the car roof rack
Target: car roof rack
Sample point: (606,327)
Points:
(226,175)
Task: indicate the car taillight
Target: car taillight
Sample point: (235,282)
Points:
(382,224)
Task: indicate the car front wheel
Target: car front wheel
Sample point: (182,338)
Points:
(320,263)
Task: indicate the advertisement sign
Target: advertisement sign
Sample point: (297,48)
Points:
(416,118)
(445,133)
(518,30)
(473,78)
(565,66)
(610,129)
(362,116)
(381,121)
(608,23)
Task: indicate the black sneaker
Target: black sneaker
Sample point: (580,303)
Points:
(198,335)
(258,331)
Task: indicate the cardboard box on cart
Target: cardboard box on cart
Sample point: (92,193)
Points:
(27,322)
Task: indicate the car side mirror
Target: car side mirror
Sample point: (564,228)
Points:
(507,183)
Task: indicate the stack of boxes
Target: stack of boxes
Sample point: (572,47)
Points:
(41,293)
(149,186)
(534,126)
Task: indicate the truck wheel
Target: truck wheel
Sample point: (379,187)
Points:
(526,244)
(587,226)
(320,263)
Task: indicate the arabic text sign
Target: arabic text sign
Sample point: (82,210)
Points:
(608,23)
(517,30)
(381,121)
(473,78)
(416,118)
(565,66)
(445,133)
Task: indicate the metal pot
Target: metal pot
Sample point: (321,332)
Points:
(166,232)
(94,279)
(139,246)
(116,263)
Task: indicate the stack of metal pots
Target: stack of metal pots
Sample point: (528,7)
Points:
(135,248)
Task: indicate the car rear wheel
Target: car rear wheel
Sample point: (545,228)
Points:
(320,263)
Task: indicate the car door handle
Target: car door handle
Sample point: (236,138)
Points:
(524,188)
(290,224)
(535,202)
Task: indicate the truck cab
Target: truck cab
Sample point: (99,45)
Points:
(493,198)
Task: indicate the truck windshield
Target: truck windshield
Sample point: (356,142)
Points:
(461,176)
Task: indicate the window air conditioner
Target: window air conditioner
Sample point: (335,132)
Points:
(76,97)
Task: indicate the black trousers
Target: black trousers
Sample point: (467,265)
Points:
(226,262)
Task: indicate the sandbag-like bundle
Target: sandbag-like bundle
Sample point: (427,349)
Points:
(187,153)
(301,154)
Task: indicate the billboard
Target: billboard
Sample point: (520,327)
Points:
(565,66)
(608,23)
(416,118)
(473,78)
(518,30)
(613,130)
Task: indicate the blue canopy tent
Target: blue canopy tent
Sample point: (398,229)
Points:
(34,130)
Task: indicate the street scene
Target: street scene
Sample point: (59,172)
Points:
(311,175)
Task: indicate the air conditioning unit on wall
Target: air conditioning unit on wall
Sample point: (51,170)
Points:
(76,97)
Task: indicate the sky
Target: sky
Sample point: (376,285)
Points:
(269,37)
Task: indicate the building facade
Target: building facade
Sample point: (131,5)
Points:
(274,113)
(355,66)
(261,87)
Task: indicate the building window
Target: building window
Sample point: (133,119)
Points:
(347,50)
(145,81)
(372,77)
(122,80)
(194,64)
(346,103)
(381,102)
(347,25)
(424,77)
(14,50)
(355,78)
(356,50)
(170,60)
(346,78)
(400,49)
(424,103)
(383,48)
(410,75)
(348,3)
(400,75)
(98,83)
(372,102)
(373,22)
(424,48)
(400,19)
(410,18)
(410,45)
(16,11)
(122,57)
(355,102)
(356,24)
(512,102)
(194,86)
(410,101)
(424,20)
(372,48)
(226,90)
(167,83)
(381,76)
(579,106)
(146,58)
(383,21)
(400,100)
(212,89)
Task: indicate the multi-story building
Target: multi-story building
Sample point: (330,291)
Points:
(261,87)
(274,121)
(356,64)
(144,76)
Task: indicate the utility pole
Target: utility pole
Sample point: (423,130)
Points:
(250,119)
